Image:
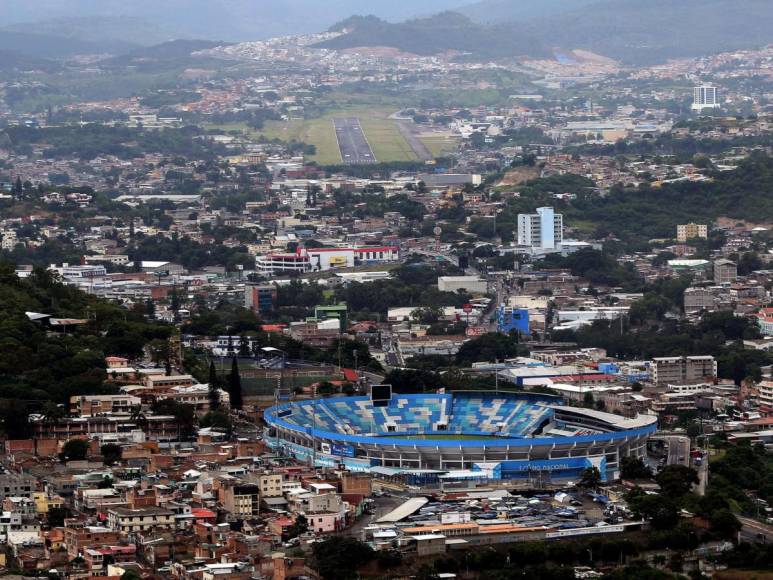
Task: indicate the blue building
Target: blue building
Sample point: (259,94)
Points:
(510,319)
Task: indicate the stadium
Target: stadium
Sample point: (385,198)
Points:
(459,436)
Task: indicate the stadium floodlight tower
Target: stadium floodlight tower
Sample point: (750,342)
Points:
(281,394)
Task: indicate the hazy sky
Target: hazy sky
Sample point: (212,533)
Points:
(223,19)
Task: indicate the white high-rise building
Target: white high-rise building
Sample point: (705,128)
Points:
(705,97)
(543,230)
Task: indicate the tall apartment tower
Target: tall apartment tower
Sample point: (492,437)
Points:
(543,230)
(705,97)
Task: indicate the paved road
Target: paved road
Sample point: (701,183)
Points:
(678,450)
(354,146)
(383,505)
(419,148)
(754,530)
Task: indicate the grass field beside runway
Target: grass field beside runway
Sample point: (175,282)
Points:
(382,133)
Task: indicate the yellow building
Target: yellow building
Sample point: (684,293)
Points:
(43,503)
(686,232)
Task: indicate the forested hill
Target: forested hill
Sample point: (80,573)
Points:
(653,31)
(40,366)
(627,30)
(444,32)
(653,212)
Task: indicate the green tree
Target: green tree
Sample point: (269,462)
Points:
(235,386)
(659,510)
(56,516)
(111,453)
(748,263)
(489,348)
(339,557)
(590,478)
(676,480)
(725,523)
(214,385)
(298,527)
(75,450)
(184,415)
(218,419)
(634,468)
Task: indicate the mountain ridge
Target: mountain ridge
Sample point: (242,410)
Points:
(230,20)
(626,30)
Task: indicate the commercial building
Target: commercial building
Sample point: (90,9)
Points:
(512,319)
(338,312)
(114,259)
(450,179)
(272,264)
(260,297)
(683,370)
(542,231)
(472,284)
(323,259)
(705,97)
(691,231)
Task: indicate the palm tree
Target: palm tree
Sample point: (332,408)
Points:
(138,416)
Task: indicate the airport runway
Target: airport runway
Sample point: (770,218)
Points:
(354,146)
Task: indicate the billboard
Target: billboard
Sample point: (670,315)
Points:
(342,450)
(510,319)
(337,449)
(584,531)
(476,330)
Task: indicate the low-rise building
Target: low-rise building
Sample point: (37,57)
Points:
(128,520)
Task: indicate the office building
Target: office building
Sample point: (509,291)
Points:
(542,231)
(686,232)
(260,297)
(705,97)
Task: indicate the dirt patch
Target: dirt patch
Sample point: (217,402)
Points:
(743,575)
(378,51)
(518,176)
(728,222)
